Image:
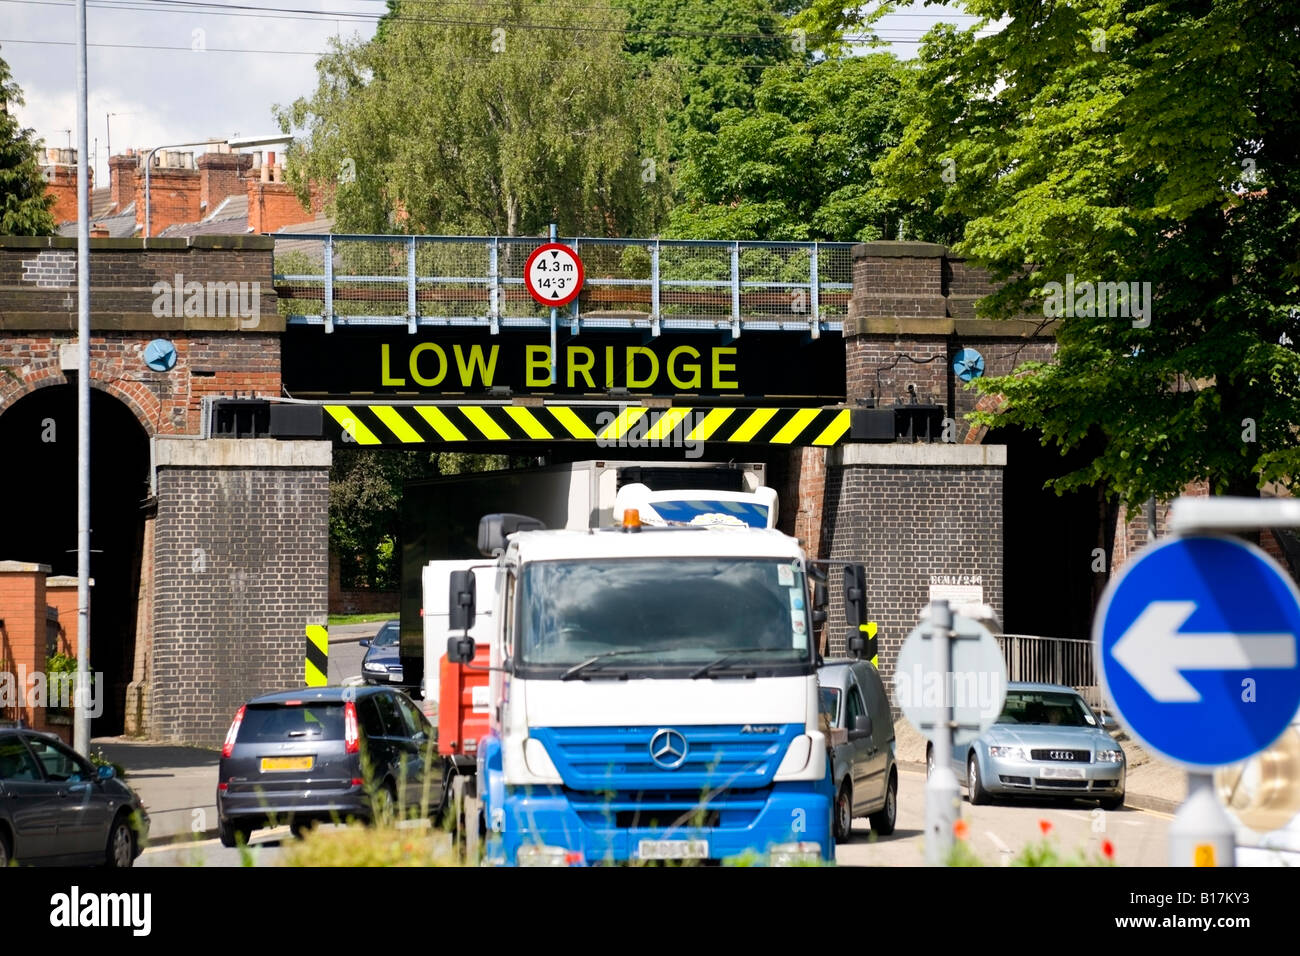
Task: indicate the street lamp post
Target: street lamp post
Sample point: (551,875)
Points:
(241,142)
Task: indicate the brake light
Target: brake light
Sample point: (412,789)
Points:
(351,738)
(229,746)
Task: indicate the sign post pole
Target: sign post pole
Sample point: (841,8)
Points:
(1201,833)
(554,319)
(941,793)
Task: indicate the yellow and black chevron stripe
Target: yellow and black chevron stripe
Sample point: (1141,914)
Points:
(318,649)
(381,424)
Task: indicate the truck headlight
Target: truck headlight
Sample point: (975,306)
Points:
(794,854)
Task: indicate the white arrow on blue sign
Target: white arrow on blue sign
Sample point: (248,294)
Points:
(1197,648)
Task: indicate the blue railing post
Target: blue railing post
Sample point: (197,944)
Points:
(654,289)
(329,284)
(735,290)
(494,289)
(411,315)
(815,329)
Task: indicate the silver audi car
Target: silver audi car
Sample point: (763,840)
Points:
(1046,743)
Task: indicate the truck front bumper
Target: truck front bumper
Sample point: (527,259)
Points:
(601,828)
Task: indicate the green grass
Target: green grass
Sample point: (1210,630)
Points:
(361,618)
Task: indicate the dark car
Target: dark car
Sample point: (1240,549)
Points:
(863,748)
(326,754)
(57,809)
(383,661)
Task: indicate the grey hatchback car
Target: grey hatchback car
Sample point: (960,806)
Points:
(860,729)
(57,809)
(325,754)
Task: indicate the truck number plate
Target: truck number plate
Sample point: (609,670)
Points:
(673,850)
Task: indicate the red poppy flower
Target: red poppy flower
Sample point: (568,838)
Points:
(1108,849)
(1045,826)
(960,828)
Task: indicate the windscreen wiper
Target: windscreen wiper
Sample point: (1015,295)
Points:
(728,659)
(577,669)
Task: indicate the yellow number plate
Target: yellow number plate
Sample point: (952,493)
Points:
(286,763)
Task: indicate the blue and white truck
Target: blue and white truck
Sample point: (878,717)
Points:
(653,689)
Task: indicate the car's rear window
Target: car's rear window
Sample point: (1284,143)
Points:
(265,723)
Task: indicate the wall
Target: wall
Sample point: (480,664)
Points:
(217,354)
(240,570)
(909,511)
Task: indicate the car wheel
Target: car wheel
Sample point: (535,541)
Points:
(1113,803)
(231,835)
(120,852)
(929,762)
(383,805)
(6,850)
(978,795)
(882,821)
(844,813)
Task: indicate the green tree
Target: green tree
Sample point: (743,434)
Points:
(1108,141)
(24,203)
(799,165)
(366,501)
(439,126)
(720,48)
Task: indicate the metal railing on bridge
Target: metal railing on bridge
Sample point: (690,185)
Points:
(651,285)
(1052,660)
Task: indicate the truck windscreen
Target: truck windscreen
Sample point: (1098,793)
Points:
(705,617)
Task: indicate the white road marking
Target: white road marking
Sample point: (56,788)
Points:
(997,841)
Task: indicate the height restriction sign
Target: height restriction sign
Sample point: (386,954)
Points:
(554,274)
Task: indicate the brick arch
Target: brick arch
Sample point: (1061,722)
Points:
(136,397)
(987,403)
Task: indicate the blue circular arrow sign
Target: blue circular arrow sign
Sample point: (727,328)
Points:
(1196,644)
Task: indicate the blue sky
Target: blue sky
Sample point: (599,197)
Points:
(169,71)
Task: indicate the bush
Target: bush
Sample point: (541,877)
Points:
(370,846)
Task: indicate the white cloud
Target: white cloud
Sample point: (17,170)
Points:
(165,96)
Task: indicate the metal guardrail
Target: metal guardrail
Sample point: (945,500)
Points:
(1052,660)
(648,285)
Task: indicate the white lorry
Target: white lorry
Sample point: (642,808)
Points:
(652,691)
(439,523)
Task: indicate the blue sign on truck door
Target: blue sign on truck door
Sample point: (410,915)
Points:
(1197,649)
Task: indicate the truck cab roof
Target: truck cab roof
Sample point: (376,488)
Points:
(698,541)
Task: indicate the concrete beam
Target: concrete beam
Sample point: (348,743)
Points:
(918,455)
(240,453)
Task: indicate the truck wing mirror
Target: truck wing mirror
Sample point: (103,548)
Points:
(855,595)
(460,650)
(460,601)
(494,529)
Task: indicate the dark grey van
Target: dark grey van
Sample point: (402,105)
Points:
(296,757)
(863,764)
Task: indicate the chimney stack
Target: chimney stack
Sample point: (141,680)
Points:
(122,171)
(221,174)
(59,170)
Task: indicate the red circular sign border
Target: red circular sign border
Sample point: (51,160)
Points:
(582,274)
